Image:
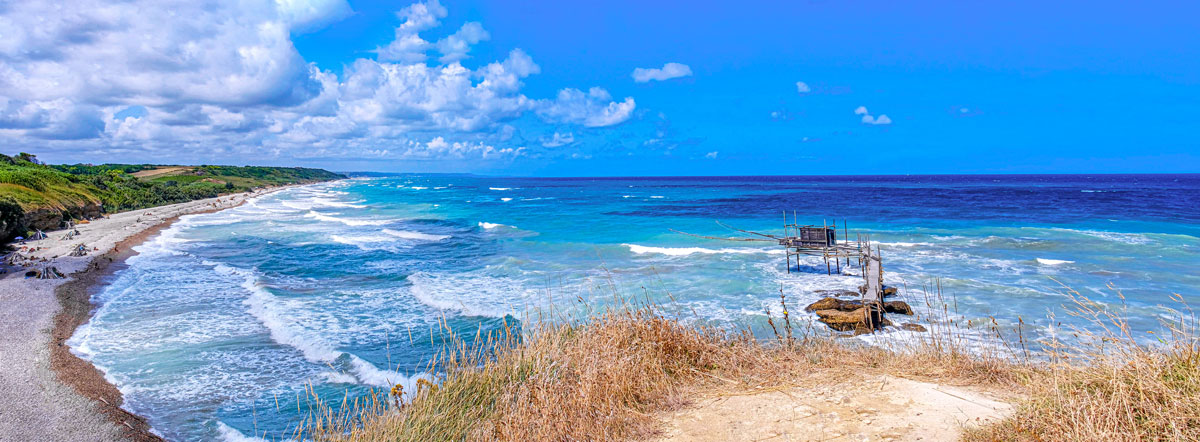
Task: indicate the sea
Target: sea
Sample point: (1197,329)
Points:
(227,324)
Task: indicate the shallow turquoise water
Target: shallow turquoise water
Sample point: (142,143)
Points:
(221,323)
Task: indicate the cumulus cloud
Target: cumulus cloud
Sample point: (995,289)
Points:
(455,46)
(711,155)
(593,109)
(802,87)
(229,79)
(558,139)
(867,118)
(668,71)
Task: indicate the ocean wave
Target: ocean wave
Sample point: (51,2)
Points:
(347,221)
(684,251)
(506,199)
(1121,237)
(904,244)
(500,188)
(418,188)
(1053,262)
(493,226)
(473,295)
(406,234)
(271,311)
(296,205)
(230,434)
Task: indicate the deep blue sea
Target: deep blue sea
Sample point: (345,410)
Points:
(221,323)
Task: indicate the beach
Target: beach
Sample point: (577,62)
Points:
(47,393)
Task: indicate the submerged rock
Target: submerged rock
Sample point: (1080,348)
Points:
(900,307)
(851,320)
(833,304)
(839,293)
(912,327)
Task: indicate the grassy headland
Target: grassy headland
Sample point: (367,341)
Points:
(611,377)
(41,196)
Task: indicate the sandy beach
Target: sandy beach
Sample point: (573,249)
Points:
(46,392)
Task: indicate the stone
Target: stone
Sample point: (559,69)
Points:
(831,303)
(900,307)
(912,327)
(852,320)
(890,291)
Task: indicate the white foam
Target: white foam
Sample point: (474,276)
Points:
(406,234)
(500,188)
(492,226)
(230,434)
(506,199)
(904,244)
(297,205)
(1053,262)
(657,196)
(347,221)
(358,240)
(471,294)
(684,251)
(418,188)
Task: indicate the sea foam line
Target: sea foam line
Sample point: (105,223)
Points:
(684,251)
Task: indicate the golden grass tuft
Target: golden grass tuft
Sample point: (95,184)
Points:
(609,376)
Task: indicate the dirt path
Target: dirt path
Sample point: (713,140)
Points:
(877,409)
(159,171)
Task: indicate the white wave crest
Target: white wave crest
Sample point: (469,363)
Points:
(347,221)
(493,226)
(684,251)
(406,234)
(500,188)
(230,434)
(1053,262)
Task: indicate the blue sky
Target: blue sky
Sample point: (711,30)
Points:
(548,88)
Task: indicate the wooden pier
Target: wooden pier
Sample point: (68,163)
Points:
(822,240)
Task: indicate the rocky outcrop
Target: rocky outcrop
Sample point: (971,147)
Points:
(853,320)
(49,218)
(850,315)
(900,307)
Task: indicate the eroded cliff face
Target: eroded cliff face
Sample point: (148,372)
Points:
(48,218)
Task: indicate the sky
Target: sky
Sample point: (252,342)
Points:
(617,88)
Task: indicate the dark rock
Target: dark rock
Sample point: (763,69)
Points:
(842,320)
(853,320)
(912,327)
(890,291)
(833,304)
(839,293)
(900,307)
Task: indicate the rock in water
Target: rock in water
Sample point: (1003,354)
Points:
(900,307)
(852,320)
(833,304)
(890,291)
(912,327)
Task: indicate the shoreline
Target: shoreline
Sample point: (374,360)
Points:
(57,395)
(75,309)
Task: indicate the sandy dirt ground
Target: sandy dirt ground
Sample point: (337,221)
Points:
(37,403)
(873,409)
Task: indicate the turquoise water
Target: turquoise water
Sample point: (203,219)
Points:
(221,323)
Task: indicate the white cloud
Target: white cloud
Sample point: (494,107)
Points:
(867,118)
(226,80)
(455,46)
(802,87)
(594,109)
(668,71)
(711,155)
(558,140)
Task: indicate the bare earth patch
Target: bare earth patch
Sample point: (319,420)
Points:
(876,409)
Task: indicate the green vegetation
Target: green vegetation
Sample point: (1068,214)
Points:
(35,195)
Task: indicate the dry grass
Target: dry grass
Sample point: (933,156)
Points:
(607,377)
(1109,386)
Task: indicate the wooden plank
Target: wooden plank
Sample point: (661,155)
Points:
(874,281)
